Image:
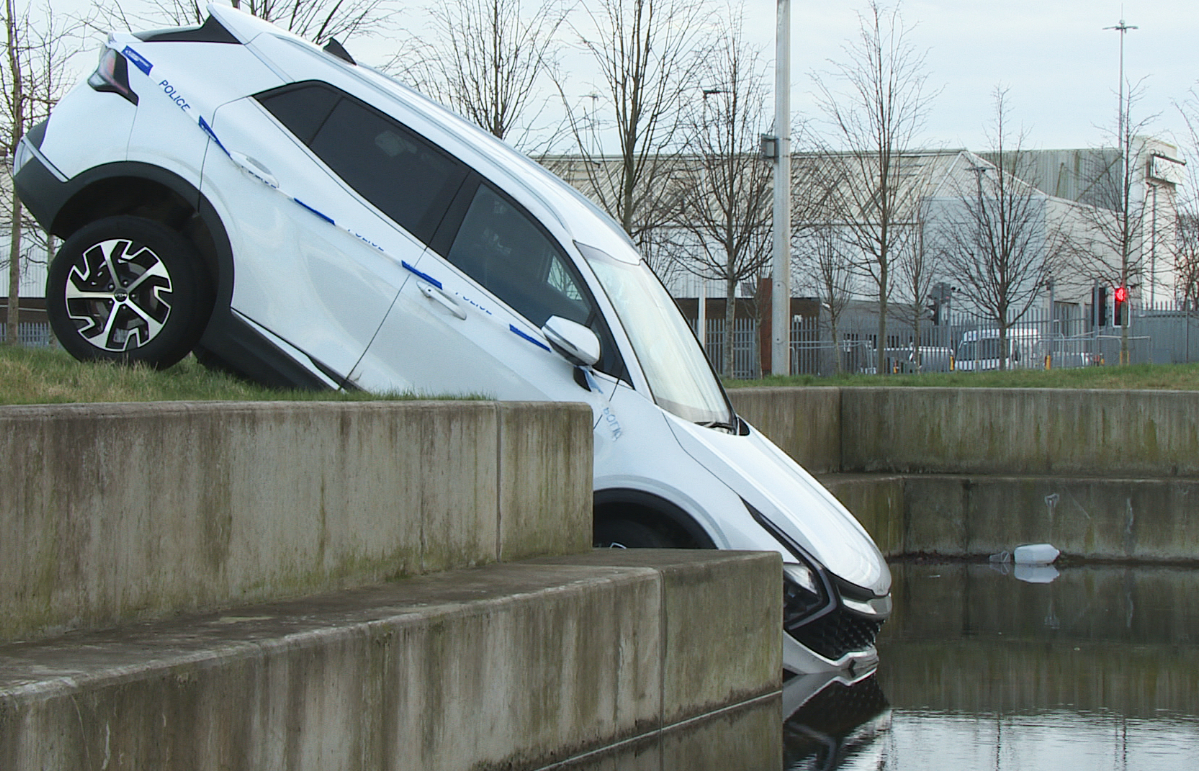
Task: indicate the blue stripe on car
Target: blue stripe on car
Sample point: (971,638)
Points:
(322,215)
(138,60)
(425,276)
(208,130)
(530,338)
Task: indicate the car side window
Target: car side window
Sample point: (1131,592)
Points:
(404,176)
(502,249)
(302,107)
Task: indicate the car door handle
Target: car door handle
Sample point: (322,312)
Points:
(255,169)
(442,298)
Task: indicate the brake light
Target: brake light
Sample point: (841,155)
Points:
(112,75)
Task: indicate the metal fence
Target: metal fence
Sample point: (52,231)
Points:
(1159,335)
(32,335)
(746,364)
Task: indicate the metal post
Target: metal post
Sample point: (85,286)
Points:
(1123,29)
(1052,321)
(780,348)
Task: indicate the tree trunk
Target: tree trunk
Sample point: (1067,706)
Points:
(14,275)
(836,341)
(880,359)
(730,320)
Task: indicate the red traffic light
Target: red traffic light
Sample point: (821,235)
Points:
(1121,294)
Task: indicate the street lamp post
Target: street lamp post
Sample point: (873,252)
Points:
(780,348)
(1123,29)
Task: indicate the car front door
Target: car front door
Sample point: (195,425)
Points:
(469,319)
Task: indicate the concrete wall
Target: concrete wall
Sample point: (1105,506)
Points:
(1100,433)
(118,512)
(509,666)
(1097,433)
(1099,474)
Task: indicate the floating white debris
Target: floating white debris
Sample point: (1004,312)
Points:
(1035,554)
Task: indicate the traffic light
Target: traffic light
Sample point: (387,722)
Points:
(1121,315)
(1101,304)
(934,310)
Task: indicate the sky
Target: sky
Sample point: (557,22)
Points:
(1058,63)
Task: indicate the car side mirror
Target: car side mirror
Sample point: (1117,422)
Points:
(578,344)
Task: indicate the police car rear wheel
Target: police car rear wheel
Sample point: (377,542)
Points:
(127,289)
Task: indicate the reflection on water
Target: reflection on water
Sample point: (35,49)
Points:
(832,721)
(1097,669)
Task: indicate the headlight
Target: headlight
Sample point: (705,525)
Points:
(804,576)
(804,594)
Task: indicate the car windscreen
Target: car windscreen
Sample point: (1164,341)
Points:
(679,375)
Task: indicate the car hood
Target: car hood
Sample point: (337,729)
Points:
(798,505)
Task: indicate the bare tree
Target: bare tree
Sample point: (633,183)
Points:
(645,51)
(1116,212)
(918,265)
(486,59)
(33,74)
(726,188)
(874,122)
(1186,257)
(997,236)
(315,20)
(821,258)
(1186,237)
(822,249)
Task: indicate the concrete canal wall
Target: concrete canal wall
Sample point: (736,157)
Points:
(1100,474)
(216,586)
(506,666)
(129,511)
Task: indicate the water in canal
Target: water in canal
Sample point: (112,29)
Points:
(1089,667)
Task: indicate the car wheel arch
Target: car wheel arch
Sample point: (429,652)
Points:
(654,511)
(151,192)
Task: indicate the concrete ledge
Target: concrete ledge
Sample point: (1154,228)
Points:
(117,512)
(1135,519)
(716,611)
(506,666)
(1021,431)
(965,515)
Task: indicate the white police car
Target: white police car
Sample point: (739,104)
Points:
(305,221)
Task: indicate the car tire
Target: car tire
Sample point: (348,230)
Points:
(627,534)
(127,289)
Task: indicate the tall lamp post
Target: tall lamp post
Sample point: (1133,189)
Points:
(780,347)
(1125,152)
(1123,29)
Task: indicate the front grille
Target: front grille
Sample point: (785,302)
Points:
(836,633)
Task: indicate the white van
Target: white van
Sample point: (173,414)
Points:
(232,190)
(980,349)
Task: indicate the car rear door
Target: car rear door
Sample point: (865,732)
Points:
(321,230)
